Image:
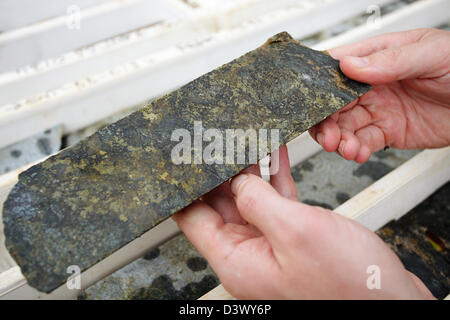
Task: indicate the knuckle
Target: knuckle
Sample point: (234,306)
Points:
(249,193)
(391,55)
(247,200)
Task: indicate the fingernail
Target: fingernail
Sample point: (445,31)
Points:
(358,62)
(319,138)
(235,182)
(341,147)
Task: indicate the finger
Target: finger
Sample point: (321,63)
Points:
(282,180)
(354,119)
(349,145)
(221,200)
(393,64)
(262,206)
(207,231)
(200,223)
(378,43)
(254,169)
(327,134)
(335,116)
(371,139)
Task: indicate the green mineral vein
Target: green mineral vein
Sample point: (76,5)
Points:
(86,202)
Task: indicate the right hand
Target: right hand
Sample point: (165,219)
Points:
(409,105)
(265,244)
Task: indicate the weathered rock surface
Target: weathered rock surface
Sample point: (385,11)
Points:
(91,199)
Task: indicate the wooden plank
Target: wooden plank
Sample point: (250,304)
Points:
(218,293)
(400,190)
(19,13)
(52,37)
(90,60)
(11,279)
(421,14)
(388,198)
(301,148)
(152,76)
(16,86)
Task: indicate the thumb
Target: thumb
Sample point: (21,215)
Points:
(406,62)
(262,206)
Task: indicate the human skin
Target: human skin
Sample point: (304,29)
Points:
(265,244)
(409,105)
